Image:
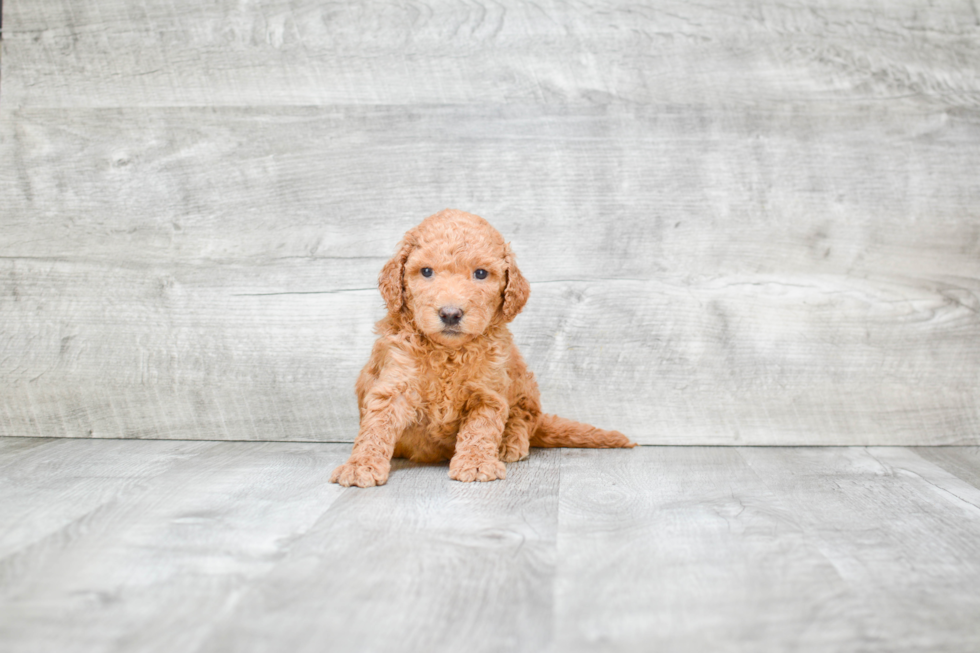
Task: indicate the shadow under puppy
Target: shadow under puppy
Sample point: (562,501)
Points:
(445,380)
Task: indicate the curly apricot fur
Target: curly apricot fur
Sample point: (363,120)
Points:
(437,388)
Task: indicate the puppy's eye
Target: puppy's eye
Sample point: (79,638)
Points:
(426,272)
(480,274)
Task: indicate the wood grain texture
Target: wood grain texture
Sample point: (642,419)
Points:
(244,546)
(907,547)
(181,52)
(742,225)
(123,545)
(962,462)
(232,309)
(621,192)
(765,549)
(685,549)
(139,546)
(53,488)
(421,564)
(176,354)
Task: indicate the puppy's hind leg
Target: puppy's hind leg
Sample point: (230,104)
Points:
(516,442)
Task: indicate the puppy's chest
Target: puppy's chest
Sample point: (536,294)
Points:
(446,390)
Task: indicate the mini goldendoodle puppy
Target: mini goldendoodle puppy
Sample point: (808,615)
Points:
(445,380)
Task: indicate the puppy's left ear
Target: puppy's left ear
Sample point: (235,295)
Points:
(391,281)
(517,289)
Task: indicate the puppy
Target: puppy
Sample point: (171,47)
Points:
(445,380)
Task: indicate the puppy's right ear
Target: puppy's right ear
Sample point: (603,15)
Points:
(517,289)
(391,281)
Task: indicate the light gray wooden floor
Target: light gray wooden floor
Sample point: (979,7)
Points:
(129,545)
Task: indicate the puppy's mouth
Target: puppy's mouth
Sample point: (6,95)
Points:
(452,332)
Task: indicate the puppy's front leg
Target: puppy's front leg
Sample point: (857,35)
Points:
(387,413)
(479,440)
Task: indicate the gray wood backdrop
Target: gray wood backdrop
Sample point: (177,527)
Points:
(752,223)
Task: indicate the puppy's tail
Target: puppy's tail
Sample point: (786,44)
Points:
(554,431)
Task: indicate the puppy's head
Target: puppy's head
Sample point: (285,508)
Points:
(453,276)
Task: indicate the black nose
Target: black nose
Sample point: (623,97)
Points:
(450,315)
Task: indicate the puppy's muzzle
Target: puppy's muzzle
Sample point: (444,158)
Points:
(450,315)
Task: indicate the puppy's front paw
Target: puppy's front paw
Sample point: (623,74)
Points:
(468,470)
(362,473)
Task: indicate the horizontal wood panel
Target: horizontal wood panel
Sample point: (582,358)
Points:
(226,352)
(742,225)
(72,53)
(637,192)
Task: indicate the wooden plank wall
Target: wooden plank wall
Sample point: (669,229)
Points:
(752,223)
